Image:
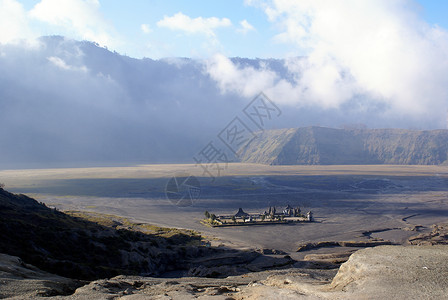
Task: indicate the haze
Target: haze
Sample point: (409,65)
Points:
(73,99)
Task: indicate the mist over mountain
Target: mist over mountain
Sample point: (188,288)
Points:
(68,101)
(329,146)
(65,102)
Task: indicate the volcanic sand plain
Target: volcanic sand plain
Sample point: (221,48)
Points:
(349,202)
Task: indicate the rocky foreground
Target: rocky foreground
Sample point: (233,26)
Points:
(394,272)
(86,255)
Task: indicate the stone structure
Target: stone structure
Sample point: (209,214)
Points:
(309,216)
(241,213)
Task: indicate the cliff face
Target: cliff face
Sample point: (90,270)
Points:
(328,146)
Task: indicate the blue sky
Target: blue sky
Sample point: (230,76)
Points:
(136,27)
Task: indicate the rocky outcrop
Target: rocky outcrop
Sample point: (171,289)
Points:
(438,236)
(18,279)
(329,146)
(395,273)
(332,258)
(324,244)
(384,272)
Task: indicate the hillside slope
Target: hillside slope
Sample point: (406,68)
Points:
(78,248)
(329,146)
(88,245)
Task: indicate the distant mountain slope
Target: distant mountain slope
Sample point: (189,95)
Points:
(329,146)
(72,102)
(66,103)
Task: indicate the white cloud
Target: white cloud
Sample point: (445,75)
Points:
(60,63)
(245,27)
(198,25)
(376,52)
(13,22)
(246,81)
(145,28)
(78,18)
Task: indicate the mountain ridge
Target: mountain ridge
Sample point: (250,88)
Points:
(65,102)
(329,146)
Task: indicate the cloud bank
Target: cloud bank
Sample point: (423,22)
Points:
(64,101)
(371,62)
(374,54)
(13,21)
(197,25)
(79,19)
